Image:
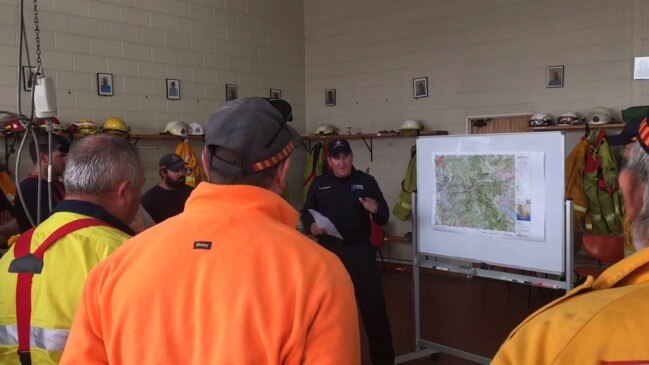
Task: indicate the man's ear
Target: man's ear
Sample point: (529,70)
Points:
(281,179)
(121,192)
(632,192)
(205,160)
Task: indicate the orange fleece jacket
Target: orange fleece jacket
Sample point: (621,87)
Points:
(228,281)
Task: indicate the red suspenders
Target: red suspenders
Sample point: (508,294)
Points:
(27,264)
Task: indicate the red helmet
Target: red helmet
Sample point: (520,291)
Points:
(11,124)
(57,128)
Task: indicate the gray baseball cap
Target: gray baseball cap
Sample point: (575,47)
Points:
(255,130)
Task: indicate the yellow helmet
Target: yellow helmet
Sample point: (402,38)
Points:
(115,125)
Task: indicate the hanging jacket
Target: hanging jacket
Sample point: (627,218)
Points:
(315,163)
(575,187)
(600,185)
(184,150)
(403,207)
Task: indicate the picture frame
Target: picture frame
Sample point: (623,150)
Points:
(275,93)
(330,97)
(173,89)
(230,92)
(29,74)
(641,68)
(555,76)
(420,87)
(105,84)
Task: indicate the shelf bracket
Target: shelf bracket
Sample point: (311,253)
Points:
(369,147)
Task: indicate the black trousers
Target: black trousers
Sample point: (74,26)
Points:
(360,261)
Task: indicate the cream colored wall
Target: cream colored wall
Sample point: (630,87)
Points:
(480,57)
(256,44)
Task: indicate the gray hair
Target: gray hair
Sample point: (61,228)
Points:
(97,164)
(638,164)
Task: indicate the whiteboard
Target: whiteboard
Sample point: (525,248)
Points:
(441,236)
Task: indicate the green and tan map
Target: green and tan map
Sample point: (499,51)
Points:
(476,192)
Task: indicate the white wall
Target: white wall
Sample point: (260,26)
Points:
(256,44)
(480,57)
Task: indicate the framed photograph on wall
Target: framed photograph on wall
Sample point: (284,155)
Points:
(105,84)
(330,97)
(554,76)
(420,87)
(29,76)
(173,89)
(275,93)
(230,92)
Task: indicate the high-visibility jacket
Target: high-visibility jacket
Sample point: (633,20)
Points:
(403,206)
(575,187)
(57,289)
(602,321)
(600,185)
(227,281)
(184,150)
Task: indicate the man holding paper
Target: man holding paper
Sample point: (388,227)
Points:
(349,199)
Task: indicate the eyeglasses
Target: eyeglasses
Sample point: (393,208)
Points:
(61,147)
(284,108)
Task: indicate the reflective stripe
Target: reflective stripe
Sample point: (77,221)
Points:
(596,217)
(610,217)
(404,204)
(579,208)
(47,339)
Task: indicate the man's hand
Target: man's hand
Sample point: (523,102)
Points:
(369,204)
(316,230)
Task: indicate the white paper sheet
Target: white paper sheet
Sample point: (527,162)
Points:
(324,223)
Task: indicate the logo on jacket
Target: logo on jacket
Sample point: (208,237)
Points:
(202,245)
(358,187)
(324,187)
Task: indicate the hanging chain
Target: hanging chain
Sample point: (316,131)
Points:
(37,31)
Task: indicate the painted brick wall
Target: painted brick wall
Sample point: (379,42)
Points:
(256,44)
(480,57)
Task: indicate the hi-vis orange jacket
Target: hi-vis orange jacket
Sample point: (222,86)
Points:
(228,281)
(602,321)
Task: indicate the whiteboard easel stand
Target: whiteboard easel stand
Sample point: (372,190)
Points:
(423,348)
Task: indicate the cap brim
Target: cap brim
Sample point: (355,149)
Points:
(619,139)
(295,136)
(176,165)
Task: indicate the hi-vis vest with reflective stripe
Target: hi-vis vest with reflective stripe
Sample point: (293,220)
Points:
(575,187)
(56,291)
(403,206)
(315,166)
(600,185)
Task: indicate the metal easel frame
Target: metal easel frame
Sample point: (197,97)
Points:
(423,348)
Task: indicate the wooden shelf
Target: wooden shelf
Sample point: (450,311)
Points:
(397,239)
(579,127)
(153,137)
(365,137)
(315,137)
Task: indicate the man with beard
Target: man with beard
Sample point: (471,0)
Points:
(168,198)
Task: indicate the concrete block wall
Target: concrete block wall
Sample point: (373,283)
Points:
(480,57)
(255,44)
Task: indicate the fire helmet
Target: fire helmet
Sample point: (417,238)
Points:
(196,129)
(176,128)
(570,118)
(540,120)
(115,125)
(599,115)
(326,129)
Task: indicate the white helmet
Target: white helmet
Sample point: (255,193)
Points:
(570,118)
(411,124)
(176,128)
(540,120)
(196,129)
(326,129)
(599,115)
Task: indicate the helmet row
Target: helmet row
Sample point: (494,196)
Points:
(597,116)
(409,126)
(113,125)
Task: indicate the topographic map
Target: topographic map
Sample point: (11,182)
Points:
(476,192)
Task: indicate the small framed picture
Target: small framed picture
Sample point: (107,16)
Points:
(105,84)
(173,89)
(230,92)
(420,87)
(641,68)
(275,93)
(330,97)
(554,76)
(29,76)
